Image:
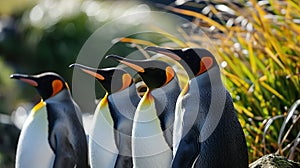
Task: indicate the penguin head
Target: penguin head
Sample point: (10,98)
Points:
(48,84)
(195,61)
(111,79)
(154,73)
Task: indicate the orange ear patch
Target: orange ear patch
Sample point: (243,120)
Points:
(126,81)
(169,74)
(30,82)
(205,64)
(57,86)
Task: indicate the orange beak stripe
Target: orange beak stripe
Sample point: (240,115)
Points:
(30,82)
(94,74)
(133,66)
(171,55)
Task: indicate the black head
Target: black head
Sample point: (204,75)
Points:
(154,73)
(48,84)
(195,61)
(112,79)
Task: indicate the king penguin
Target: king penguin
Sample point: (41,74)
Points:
(153,120)
(110,136)
(52,135)
(207,132)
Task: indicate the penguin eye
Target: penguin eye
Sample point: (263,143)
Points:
(57,86)
(205,64)
(169,74)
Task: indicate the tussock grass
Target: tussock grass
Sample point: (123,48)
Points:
(258,49)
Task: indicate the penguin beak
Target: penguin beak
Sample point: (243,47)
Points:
(164,51)
(25,78)
(88,70)
(134,64)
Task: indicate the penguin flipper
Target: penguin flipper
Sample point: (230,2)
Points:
(188,150)
(78,112)
(64,152)
(124,159)
(124,162)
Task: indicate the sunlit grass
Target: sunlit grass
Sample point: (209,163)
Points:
(259,53)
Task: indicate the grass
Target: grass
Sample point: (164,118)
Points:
(258,48)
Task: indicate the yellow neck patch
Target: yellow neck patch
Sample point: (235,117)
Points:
(38,106)
(184,90)
(147,98)
(57,86)
(104,101)
(67,85)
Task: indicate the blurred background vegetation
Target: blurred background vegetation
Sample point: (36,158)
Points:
(257,43)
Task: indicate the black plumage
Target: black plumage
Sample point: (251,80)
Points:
(207,132)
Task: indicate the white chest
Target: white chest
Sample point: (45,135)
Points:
(177,129)
(149,147)
(33,149)
(102,147)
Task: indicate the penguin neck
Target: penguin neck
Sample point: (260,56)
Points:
(125,94)
(170,88)
(165,98)
(210,78)
(128,98)
(123,103)
(173,84)
(61,96)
